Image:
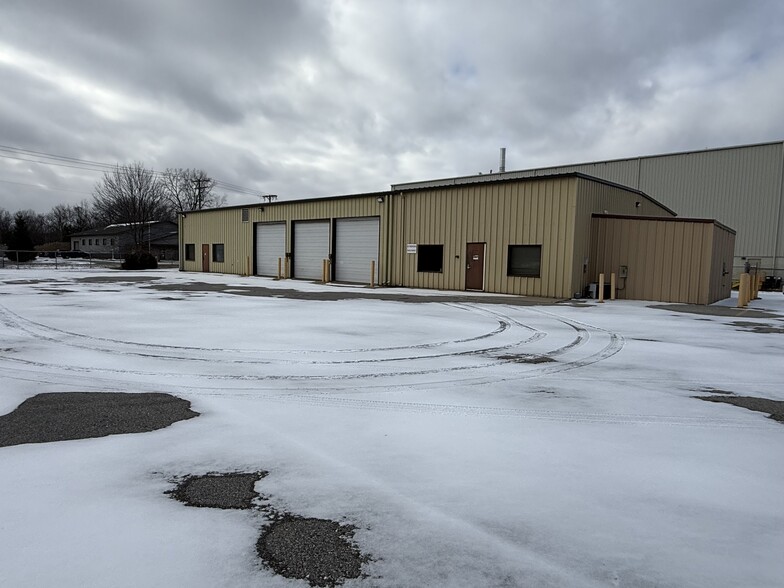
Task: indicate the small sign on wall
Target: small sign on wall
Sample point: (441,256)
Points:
(411,248)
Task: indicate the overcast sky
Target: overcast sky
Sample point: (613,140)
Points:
(311,98)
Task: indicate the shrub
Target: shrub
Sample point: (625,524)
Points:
(140,260)
(21,256)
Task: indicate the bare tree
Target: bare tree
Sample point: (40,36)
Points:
(59,222)
(189,189)
(84,217)
(132,195)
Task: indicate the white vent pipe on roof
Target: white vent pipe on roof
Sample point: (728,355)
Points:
(502,164)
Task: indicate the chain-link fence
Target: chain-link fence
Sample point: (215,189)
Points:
(19,259)
(27,259)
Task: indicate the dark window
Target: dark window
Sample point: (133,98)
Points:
(245,215)
(82,241)
(112,242)
(89,241)
(524,260)
(430,258)
(190,252)
(217,252)
(104,241)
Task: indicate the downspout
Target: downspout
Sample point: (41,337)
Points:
(387,238)
(181,240)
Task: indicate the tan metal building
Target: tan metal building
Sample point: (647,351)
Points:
(665,259)
(741,186)
(524,236)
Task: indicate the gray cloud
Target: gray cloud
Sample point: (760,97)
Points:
(314,98)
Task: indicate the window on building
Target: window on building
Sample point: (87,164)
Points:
(89,241)
(245,215)
(112,242)
(83,241)
(524,260)
(190,252)
(430,258)
(217,252)
(104,241)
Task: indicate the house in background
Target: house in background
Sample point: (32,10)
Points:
(114,241)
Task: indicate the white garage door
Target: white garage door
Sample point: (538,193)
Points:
(270,246)
(311,248)
(356,245)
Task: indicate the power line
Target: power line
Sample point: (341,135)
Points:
(45,187)
(19,154)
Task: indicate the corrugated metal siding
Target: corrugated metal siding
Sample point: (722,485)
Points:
(723,249)
(525,213)
(220,226)
(737,187)
(595,197)
(742,187)
(226,226)
(667,261)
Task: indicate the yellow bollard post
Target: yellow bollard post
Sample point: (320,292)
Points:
(601,287)
(612,286)
(280,263)
(743,290)
(372,273)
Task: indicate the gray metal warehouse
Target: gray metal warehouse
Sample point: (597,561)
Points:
(740,186)
(533,236)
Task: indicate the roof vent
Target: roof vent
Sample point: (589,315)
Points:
(502,164)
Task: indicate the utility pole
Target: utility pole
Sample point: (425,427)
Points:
(200,183)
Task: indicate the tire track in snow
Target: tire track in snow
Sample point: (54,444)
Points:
(40,331)
(55,335)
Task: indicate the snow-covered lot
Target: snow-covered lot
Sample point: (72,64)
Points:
(471,444)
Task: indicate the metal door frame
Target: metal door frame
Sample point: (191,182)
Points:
(484,265)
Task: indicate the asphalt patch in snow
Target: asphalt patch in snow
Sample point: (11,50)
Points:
(230,490)
(64,416)
(715,310)
(117,279)
(757,327)
(774,408)
(328,295)
(319,551)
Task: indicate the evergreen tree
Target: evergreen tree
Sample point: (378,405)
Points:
(19,242)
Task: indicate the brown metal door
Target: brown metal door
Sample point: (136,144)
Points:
(475,266)
(205,258)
